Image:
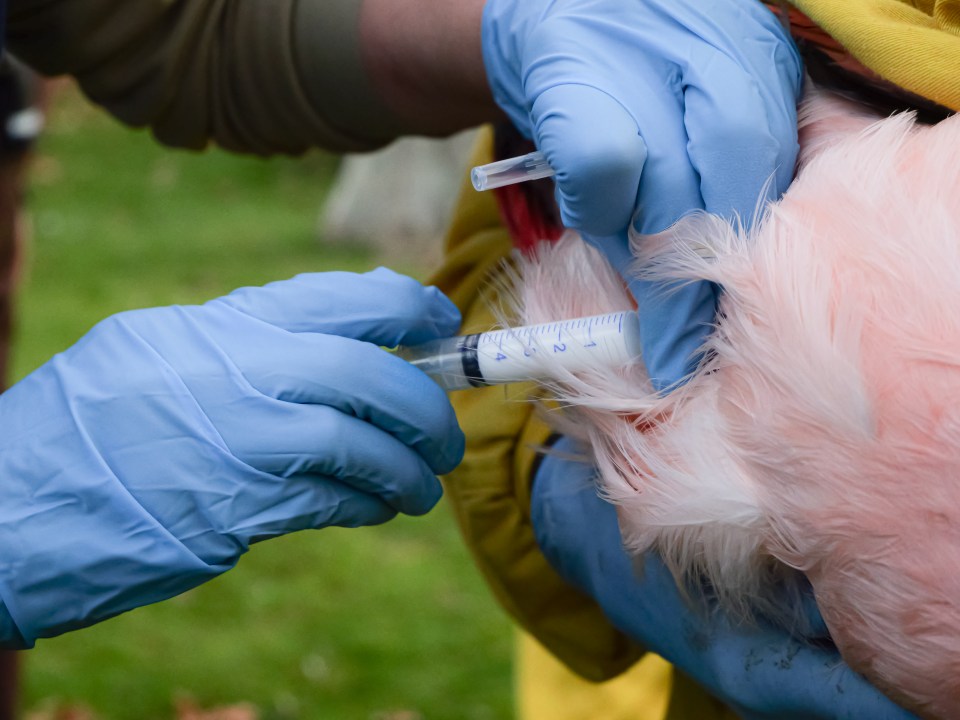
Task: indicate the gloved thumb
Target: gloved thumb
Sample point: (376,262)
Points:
(593,144)
(674,320)
(381,307)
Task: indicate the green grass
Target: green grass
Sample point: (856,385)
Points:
(371,624)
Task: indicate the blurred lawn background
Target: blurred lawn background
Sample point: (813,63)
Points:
(386,623)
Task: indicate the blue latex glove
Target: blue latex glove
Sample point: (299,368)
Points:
(761,672)
(147,458)
(656,106)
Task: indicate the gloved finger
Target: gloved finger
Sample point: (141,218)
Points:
(594,145)
(669,187)
(310,501)
(357,379)
(674,320)
(674,323)
(320,440)
(381,307)
(742,130)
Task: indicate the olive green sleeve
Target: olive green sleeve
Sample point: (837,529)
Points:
(255,76)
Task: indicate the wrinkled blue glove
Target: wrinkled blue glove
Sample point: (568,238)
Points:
(146,459)
(656,106)
(761,672)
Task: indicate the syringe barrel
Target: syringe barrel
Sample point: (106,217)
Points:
(532,352)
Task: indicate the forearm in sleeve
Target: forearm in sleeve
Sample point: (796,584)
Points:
(255,76)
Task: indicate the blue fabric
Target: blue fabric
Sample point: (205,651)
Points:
(148,457)
(648,110)
(760,671)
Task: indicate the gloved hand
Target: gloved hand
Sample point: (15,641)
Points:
(146,458)
(761,672)
(658,107)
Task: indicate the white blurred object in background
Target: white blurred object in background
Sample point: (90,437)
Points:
(398,200)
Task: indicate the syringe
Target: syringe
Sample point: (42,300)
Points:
(530,352)
(531,166)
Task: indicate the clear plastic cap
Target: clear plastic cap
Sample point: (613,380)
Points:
(531,166)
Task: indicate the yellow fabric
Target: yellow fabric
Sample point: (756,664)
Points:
(546,690)
(489,491)
(650,690)
(688,701)
(913,43)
